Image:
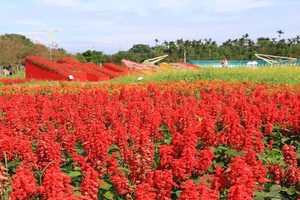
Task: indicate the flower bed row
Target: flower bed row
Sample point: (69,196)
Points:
(137,66)
(10,81)
(184,87)
(67,66)
(110,69)
(153,142)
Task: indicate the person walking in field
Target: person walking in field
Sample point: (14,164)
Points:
(10,72)
(224,62)
(5,71)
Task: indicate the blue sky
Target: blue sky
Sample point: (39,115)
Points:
(113,25)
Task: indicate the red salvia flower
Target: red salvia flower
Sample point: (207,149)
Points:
(55,184)
(90,184)
(24,185)
(145,191)
(276,172)
(48,151)
(289,154)
(292,174)
(241,179)
(117,176)
(189,191)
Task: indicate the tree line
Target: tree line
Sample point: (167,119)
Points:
(14,48)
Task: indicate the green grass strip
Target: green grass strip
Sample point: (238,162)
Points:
(275,75)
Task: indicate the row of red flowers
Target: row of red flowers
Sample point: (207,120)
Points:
(148,143)
(184,87)
(11,81)
(65,66)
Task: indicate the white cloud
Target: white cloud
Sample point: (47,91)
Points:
(28,22)
(237,5)
(139,7)
(177,6)
(62,3)
(218,6)
(116,24)
(96,25)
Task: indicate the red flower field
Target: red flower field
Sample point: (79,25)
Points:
(198,140)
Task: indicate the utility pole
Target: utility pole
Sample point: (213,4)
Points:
(184,55)
(50,36)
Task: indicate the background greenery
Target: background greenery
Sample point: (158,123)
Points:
(14,48)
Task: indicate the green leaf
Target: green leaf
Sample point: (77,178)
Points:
(222,148)
(109,195)
(132,186)
(214,149)
(197,180)
(163,128)
(275,188)
(178,192)
(259,198)
(167,138)
(74,174)
(273,194)
(259,195)
(274,156)
(167,141)
(105,186)
(289,191)
(231,152)
(77,193)
(261,156)
(127,171)
(283,140)
(276,128)
(275,134)
(13,164)
(221,164)
(113,148)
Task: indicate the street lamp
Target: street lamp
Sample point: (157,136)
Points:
(50,35)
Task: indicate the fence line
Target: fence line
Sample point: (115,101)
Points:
(234,63)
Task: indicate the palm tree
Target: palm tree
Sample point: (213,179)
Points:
(208,43)
(280,32)
(297,39)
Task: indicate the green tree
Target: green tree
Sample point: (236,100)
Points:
(140,48)
(96,57)
(14,48)
(265,46)
(142,51)
(282,48)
